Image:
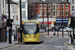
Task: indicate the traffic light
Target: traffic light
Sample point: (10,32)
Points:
(53,22)
(9,22)
(72,22)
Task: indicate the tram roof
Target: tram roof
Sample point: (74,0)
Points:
(31,21)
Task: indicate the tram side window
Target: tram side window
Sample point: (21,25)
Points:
(37,29)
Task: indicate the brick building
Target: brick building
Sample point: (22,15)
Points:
(55,8)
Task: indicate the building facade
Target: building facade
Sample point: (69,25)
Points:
(63,10)
(24,9)
(13,11)
(2,7)
(56,9)
(72,6)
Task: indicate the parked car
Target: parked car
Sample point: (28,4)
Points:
(47,28)
(56,28)
(51,29)
(66,29)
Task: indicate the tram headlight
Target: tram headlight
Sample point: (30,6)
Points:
(34,36)
(25,36)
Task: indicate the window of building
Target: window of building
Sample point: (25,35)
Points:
(49,6)
(17,17)
(53,13)
(40,13)
(53,7)
(13,19)
(44,13)
(18,3)
(13,10)
(3,3)
(57,6)
(7,9)
(57,13)
(40,5)
(49,13)
(45,6)
(66,5)
(72,1)
(23,5)
(62,13)
(61,6)
(72,8)
(23,14)
(66,12)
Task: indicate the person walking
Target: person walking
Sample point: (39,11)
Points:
(54,32)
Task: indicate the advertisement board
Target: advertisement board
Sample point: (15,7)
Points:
(13,27)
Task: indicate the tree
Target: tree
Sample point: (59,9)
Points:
(18,29)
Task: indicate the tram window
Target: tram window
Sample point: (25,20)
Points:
(30,29)
(37,28)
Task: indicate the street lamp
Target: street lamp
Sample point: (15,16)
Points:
(68,22)
(10,30)
(43,12)
(20,21)
(62,17)
(47,19)
(68,17)
(28,11)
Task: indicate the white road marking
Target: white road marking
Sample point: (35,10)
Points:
(39,46)
(8,47)
(2,49)
(35,48)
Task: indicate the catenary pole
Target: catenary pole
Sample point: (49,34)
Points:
(10,30)
(20,22)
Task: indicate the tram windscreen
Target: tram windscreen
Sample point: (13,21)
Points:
(30,28)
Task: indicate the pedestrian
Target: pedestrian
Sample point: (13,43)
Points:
(54,32)
(14,37)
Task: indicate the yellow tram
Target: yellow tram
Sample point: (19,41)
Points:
(33,31)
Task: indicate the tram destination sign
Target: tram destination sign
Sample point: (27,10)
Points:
(30,23)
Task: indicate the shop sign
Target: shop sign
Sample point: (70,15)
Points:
(17,22)
(14,27)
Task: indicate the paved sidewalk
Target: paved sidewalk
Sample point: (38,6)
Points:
(6,44)
(70,46)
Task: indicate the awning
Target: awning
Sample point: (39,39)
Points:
(59,20)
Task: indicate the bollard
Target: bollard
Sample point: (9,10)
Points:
(68,33)
(57,34)
(71,39)
(74,40)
